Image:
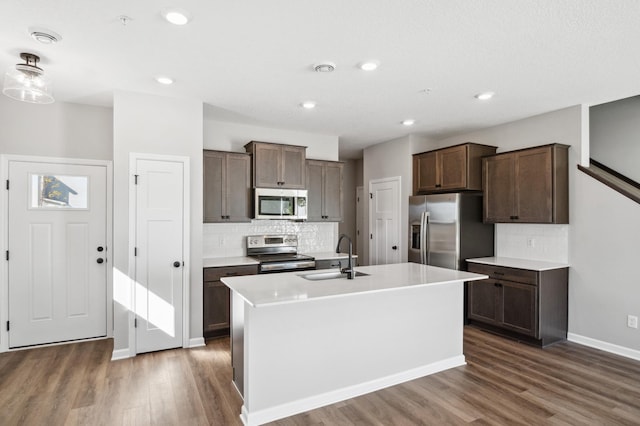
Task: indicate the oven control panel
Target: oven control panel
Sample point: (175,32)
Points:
(263,241)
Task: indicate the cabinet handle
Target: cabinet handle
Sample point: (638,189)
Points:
(230,274)
(498,273)
(438,185)
(497,284)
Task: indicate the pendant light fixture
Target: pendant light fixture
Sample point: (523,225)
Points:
(27,82)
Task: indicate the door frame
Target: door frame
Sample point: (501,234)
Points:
(186,241)
(5,159)
(398,180)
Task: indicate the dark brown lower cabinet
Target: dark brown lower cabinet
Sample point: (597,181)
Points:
(216,298)
(525,304)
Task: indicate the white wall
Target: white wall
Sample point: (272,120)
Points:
(224,240)
(56,130)
(615,135)
(157,125)
(390,159)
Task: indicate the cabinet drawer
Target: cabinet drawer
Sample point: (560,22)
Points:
(524,276)
(214,274)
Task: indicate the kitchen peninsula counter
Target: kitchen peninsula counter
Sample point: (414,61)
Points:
(299,344)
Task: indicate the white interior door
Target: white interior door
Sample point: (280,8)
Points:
(384,221)
(57,219)
(159,254)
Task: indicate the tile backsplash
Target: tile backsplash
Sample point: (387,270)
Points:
(228,239)
(536,242)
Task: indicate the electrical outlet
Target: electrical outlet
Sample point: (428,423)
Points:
(632,321)
(531,242)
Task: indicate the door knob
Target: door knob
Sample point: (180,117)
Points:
(176,264)
(100,248)
(395,247)
(99,260)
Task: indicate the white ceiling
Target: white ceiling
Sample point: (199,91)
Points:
(251,60)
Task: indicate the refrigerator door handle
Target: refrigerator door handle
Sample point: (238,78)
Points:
(424,238)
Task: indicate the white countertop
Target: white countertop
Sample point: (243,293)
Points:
(510,262)
(216,262)
(290,287)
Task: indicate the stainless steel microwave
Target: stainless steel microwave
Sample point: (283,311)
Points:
(272,203)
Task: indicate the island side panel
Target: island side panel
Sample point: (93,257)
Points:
(237,340)
(299,356)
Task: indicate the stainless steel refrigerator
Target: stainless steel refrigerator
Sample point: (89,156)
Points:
(446,229)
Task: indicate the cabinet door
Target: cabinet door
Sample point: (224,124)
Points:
(315,171)
(238,188)
(499,191)
(519,307)
(482,301)
(534,186)
(452,165)
(425,167)
(215,306)
(213,172)
(267,165)
(333,195)
(293,167)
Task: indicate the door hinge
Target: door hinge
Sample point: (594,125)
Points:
(135,177)
(371,195)
(371,236)
(8,327)
(135,323)
(7,184)
(7,255)
(135,251)
(358,232)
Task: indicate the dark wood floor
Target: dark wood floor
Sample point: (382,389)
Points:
(504,383)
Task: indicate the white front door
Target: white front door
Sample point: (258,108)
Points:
(57,217)
(384,221)
(159,254)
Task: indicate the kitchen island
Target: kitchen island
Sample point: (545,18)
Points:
(299,344)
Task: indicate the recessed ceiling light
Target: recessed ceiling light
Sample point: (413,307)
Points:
(176,16)
(308,105)
(369,66)
(485,96)
(408,122)
(324,67)
(164,80)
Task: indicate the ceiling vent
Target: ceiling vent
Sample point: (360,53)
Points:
(324,67)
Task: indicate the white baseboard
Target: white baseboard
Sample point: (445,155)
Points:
(604,346)
(196,342)
(120,354)
(295,407)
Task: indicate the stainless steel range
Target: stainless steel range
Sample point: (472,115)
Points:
(278,253)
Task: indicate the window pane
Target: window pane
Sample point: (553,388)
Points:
(59,192)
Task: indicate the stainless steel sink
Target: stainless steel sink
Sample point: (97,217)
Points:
(328,275)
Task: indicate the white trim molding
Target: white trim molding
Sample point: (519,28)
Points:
(196,342)
(604,346)
(119,354)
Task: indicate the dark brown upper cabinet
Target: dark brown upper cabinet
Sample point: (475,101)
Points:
(527,186)
(325,198)
(227,187)
(456,168)
(277,166)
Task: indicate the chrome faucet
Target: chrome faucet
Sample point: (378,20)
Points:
(351,273)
